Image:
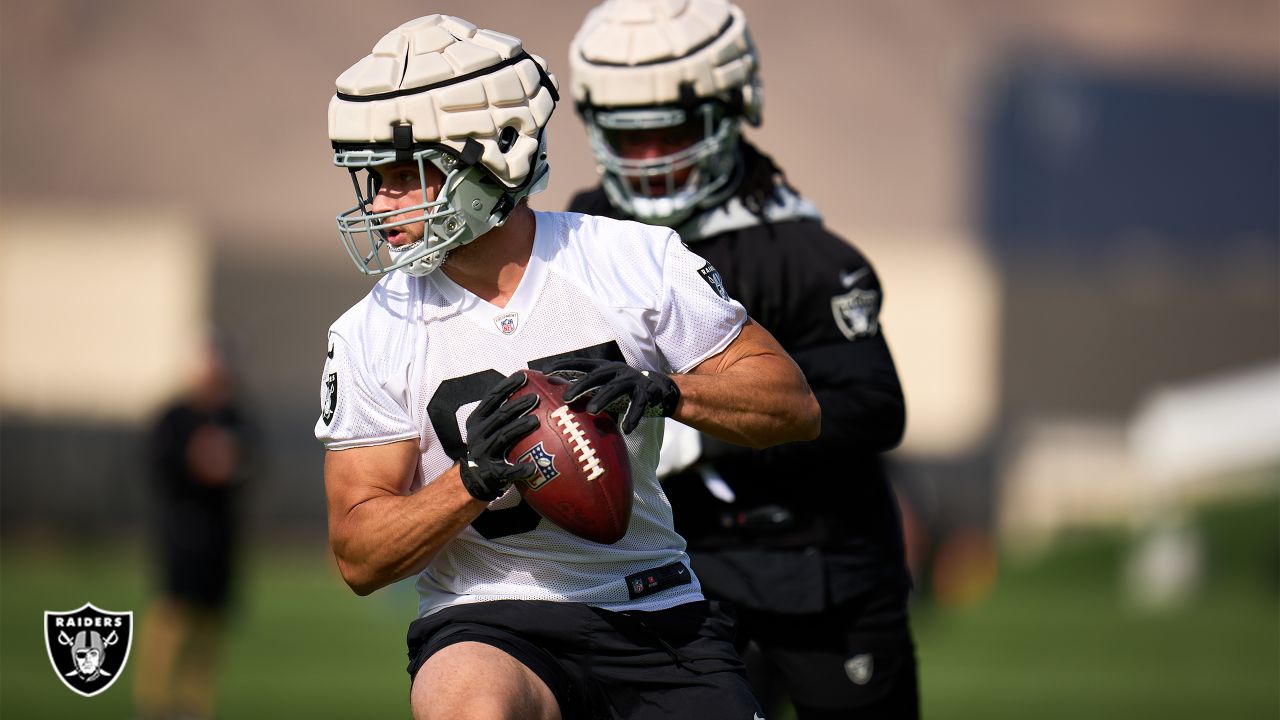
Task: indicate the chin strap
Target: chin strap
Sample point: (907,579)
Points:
(402,140)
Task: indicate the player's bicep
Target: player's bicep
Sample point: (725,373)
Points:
(752,341)
(356,475)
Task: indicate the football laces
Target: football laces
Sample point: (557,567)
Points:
(572,430)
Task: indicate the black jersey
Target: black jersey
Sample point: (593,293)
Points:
(194,519)
(812,523)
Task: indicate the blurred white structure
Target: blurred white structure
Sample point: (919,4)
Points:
(1062,473)
(1185,444)
(1195,442)
(1185,439)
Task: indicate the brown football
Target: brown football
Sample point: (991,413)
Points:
(583,483)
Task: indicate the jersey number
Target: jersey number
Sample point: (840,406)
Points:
(456,392)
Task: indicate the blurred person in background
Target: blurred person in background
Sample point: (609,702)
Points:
(199,451)
(442,130)
(805,538)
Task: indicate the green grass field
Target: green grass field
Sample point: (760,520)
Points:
(1055,640)
(1058,640)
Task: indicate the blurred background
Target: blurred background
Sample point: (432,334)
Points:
(1074,208)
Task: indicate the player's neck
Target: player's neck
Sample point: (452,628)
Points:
(491,266)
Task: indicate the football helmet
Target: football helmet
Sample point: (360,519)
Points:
(685,71)
(443,95)
(89,651)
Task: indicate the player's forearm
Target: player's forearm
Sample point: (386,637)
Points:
(391,537)
(759,401)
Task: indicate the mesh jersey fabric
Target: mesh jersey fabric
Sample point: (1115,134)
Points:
(412,359)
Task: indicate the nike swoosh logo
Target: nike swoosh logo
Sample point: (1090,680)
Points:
(850,279)
(330,353)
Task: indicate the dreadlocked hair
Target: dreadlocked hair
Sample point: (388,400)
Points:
(761,178)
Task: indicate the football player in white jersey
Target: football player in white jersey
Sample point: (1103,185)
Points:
(442,128)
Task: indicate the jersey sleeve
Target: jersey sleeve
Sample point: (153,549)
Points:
(697,318)
(357,408)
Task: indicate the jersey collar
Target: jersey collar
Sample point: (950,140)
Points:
(506,321)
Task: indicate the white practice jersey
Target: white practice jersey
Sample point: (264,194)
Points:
(412,359)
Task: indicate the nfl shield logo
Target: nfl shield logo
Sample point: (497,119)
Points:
(544,461)
(506,323)
(88,647)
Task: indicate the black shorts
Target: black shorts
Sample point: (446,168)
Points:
(675,663)
(856,660)
(197,555)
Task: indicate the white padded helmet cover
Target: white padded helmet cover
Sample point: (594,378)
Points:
(639,52)
(438,49)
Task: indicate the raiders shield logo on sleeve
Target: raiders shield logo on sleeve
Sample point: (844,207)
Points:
(88,646)
(329,402)
(712,277)
(329,393)
(857,313)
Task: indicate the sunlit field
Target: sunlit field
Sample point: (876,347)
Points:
(1055,640)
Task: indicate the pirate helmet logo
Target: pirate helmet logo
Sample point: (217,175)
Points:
(88,647)
(857,313)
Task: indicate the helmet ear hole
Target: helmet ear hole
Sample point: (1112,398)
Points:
(507,138)
(372,125)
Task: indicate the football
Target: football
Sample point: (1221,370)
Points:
(583,483)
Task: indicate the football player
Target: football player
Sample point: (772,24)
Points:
(442,128)
(804,539)
(202,456)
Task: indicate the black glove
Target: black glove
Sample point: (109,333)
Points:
(618,388)
(493,428)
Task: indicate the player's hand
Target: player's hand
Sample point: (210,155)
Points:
(494,427)
(618,388)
